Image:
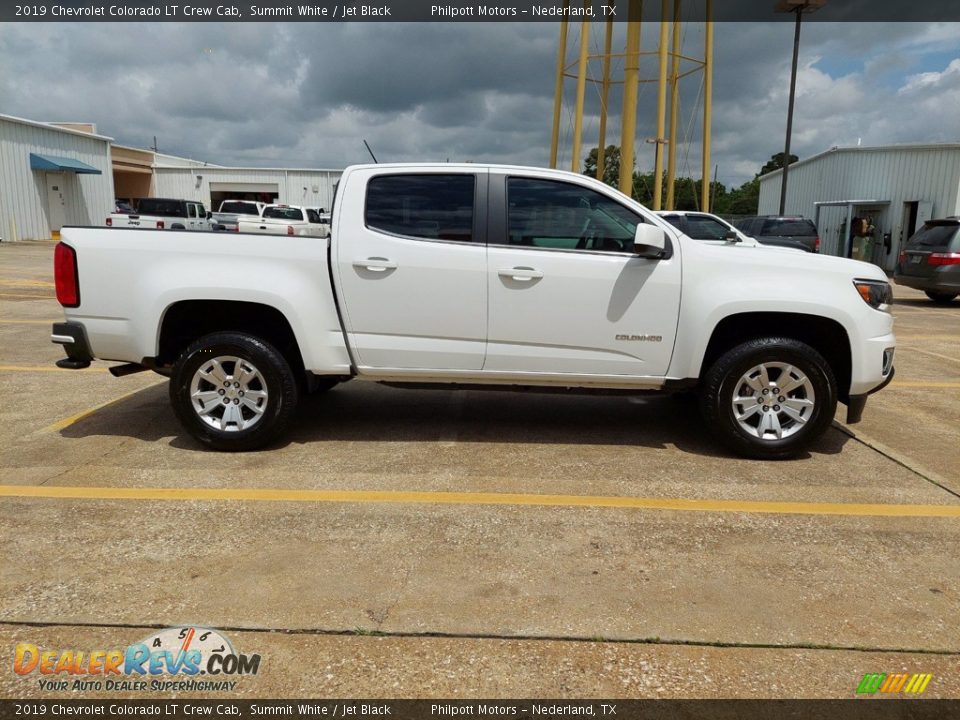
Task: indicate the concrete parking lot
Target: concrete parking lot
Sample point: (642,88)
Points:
(482,544)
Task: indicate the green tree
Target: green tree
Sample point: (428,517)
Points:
(776,162)
(611,165)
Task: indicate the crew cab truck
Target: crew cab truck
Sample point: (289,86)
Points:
(484,277)
(163,214)
(286,220)
(232,210)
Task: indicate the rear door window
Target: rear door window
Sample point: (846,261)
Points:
(431,207)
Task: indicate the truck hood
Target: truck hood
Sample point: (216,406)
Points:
(762,257)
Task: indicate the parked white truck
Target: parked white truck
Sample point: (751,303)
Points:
(479,276)
(231,211)
(286,220)
(163,214)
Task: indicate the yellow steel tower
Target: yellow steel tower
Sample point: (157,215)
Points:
(670,70)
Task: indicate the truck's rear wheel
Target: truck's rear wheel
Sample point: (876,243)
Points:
(233,391)
(769,398)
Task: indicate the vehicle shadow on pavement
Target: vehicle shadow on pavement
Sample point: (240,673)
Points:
(925,303)
(361,412)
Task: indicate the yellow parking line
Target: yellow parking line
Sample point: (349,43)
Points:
(926,337)
(68,421)
(931,354)
(25,282)
(48,368)
(32,297)
(471,498)
(923,384)
(5,321)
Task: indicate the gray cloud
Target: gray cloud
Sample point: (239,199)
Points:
(307,95)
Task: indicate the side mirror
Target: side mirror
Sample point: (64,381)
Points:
(731,236)
(649,241)
(209,214)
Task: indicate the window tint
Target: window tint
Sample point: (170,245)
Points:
(313,216)
(156,206)
(434,207)
(674,220)
(283,213)
(701,227)
(240,208)
(933,237)
(192,210)
(785,228)
(551,214)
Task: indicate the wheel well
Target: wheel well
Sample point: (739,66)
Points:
(828,337)
(188,320)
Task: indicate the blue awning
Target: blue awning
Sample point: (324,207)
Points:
(61,164)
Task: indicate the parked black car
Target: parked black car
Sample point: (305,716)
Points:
(781,230)
(930,261)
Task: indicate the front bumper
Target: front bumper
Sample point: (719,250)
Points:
(857,403)
(74,340)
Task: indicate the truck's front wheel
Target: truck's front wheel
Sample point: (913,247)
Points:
(233,391)
(769,398)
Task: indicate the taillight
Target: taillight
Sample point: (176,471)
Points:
(289,229)
(65,275)
(109,222)
(943,258)
(159,224)
(816,245)
(902,260)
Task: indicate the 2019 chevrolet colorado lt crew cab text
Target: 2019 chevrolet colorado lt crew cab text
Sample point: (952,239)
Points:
(479,276)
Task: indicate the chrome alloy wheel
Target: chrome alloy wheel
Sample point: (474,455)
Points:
(773,400)
(228,393)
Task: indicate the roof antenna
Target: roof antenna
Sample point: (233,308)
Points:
(370,151)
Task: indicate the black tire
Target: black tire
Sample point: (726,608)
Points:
(275,377)
(941,298)
(723,377)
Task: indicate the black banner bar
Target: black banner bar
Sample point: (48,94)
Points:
(333,11)
(865,709)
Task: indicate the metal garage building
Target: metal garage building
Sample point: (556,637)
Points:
(896,188)
(176,177)
(50,177)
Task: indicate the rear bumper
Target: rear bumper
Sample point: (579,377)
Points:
(73,337)
(946,279)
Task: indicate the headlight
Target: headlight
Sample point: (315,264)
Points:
(876,293)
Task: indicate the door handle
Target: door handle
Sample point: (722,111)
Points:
(375,264)
(520,274)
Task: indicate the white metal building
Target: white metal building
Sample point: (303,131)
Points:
(896,187)
(50,177)
(210,184)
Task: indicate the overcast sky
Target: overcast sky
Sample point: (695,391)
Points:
(304,95)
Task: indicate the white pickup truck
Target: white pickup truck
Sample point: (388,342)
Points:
(285,220)
(228,217)
(163,214)
(482,276)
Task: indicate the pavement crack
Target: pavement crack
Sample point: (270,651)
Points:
(441,635)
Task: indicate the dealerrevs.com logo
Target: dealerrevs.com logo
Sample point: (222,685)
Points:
(173,659)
